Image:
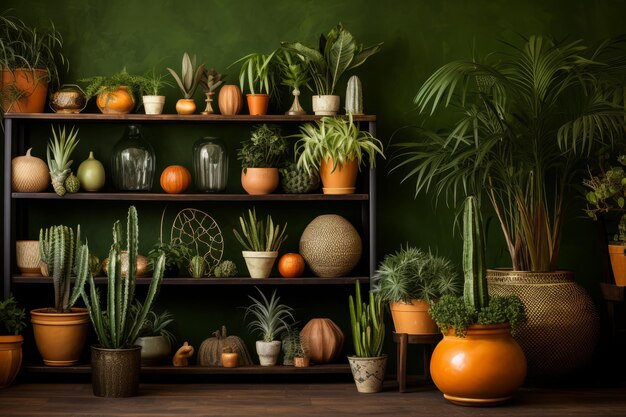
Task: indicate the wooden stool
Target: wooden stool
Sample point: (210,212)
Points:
(403,340)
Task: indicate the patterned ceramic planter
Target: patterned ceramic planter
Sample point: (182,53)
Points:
(368,373)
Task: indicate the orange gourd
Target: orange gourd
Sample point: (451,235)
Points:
(291,265)
(175,179)
(324,340)
(230,99)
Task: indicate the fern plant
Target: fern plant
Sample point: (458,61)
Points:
(259,236)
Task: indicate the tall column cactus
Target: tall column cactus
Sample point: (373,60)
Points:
(368,327)
(474,266)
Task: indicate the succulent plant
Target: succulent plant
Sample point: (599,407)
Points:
(72,183)
(211,80)
(298,181)
(190,75)
(225,269)
(59,151)
(197,266)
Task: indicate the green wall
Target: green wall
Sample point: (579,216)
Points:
(419,36)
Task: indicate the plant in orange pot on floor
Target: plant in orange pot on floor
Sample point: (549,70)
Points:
(190,75)
(258,71)
(11,324)
(261,156)
(115,94)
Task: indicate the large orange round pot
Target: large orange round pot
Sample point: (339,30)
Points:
(229,100)
(257,104)
(185,106)
(413,318)
(120,101)
(340,181)
(484,368)
(32,86)
(618,264)
(10,358)
(60,337)
(259,181)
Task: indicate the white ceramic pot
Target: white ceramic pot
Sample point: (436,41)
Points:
(368,373)
(259,263)
(268,352)
(153,104)
(325,105)
(154,349)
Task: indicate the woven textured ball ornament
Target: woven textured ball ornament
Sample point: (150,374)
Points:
(29,174)
(331,246)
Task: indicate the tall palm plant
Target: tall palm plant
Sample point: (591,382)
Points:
(523,121)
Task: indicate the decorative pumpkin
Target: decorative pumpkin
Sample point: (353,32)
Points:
(29,174)
(291,265)
(230,100)
(210,353)
(120,101)
(324,339)
(175,179)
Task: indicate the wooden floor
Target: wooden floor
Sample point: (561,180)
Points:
(295,399)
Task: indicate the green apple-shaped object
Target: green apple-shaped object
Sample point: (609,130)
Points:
(91,174)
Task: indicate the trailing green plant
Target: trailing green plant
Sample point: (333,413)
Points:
(151,83)
(12,318)
(155,324)
(190,75)
(225,269)
(367,324)
(58,248)
(101,84)
(115,325)
(293,72)
(266,148)
(269,316)
(338,52)
(336,138)
(523,121)
(260,236)
(211,80)
(257,72)
(59,151)
(412,274)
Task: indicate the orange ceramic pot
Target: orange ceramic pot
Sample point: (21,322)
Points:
(120,101)
(10,358)
(484,368)
(259,181)
(60,337)
(230,359)
(33,88)
(342,180)
(185,106)
(257,104)
(618,264)
(413,318)
(229,100)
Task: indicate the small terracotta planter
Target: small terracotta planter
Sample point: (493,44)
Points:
(120,101)
(185,106)
(230,359)
(10,358)
(301,362)
(32,83)
(618,264)
(60,337)
(413,318)
(259,181)
(257,104)
(342,180)
(229,100)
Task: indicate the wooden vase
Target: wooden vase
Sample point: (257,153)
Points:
(229,100)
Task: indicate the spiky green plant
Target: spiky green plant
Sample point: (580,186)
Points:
(58,248)
(367,324)
(59,152)
(475,289)
(257,72)
(155,324)
(270,317)
(116,327)
(260,236)
(190,76)
(151,83)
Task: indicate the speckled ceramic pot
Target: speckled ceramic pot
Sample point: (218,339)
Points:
(368,373)
(115,372)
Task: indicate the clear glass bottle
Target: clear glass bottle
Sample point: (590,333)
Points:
(210,164)
(133,161)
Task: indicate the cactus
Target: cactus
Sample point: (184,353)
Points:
(197,266)
(58,249)
(367,322)
(72,183)
(226,269)
(298,181)
(475,290)
(354,96)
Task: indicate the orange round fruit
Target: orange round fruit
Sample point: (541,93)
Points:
(291,265)
(175,179)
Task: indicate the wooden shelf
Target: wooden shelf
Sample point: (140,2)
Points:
(129,196)
(19,279)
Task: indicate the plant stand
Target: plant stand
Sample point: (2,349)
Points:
(403,340)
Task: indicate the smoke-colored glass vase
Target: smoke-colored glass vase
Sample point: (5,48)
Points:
(133,161)
(210,165)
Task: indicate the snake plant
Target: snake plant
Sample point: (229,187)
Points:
(260,236)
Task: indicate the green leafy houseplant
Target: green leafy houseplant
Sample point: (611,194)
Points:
(260,236)
(338,52)
(524,119)
(266,148)
(269,316)
(190,76)
(12,318)
(155,324)
(257,72)
(367,324)
(101,84)
(176,255)
(293,72)
(211,80)
(151,83)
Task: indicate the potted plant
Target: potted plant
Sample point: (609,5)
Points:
(478,362)
(295,348)
(336,147)
(261,241)
(258,72)
(27,62)
(58,153)
(150,86)
(368,364)
(116,360)
(154,337)
(210,82)
(61,331)
(11,324)
(293,74)
(176,255)
(338,53)
(116,93)
(269,320)
(410,280)
(526,118)
(260,157)
(188,81)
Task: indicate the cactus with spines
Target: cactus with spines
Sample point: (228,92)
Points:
(298,181)
(354,96)
(474,269)
(72,183)
(225,269)
(197,266)
(367,323)
(60,148)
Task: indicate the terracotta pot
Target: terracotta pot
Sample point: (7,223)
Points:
(33,88)
(120,101)
(327,105)
(259,263)
(28,258)
(413,318)
(154,349)
(562,328)
(230,359)
(259,181)
(268,352)
(484,368)
(229,100)
(618,264)
(185,106)
(10,358)
(115,372)
(60,337)
(340,181)
(153,104)
(368,373)
(257,104)
(300,362)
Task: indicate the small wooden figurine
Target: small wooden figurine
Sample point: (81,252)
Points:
(181,356)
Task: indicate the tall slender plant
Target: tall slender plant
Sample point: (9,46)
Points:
(367,322)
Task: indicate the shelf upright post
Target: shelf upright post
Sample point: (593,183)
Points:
(8,151)
(372,212)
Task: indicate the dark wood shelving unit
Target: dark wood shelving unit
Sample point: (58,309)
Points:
(190,197)
(24,280)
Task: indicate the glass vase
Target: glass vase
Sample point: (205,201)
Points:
(210,164)
(133,161)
